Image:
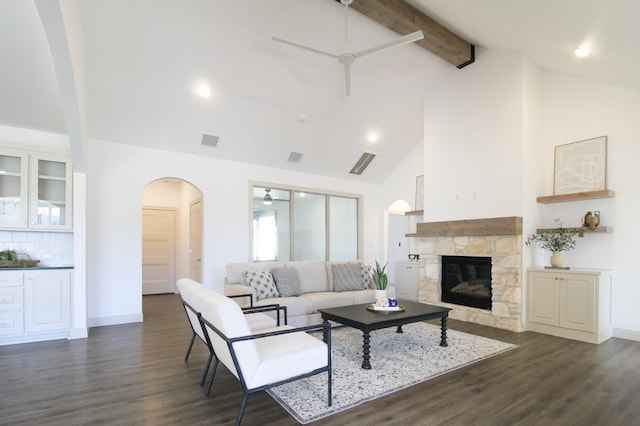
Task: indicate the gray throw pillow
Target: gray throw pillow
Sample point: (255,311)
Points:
(287,281)
(347,277)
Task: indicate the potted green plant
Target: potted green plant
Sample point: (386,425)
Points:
(380,280)
(556,240)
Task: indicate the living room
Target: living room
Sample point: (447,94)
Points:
(483,137)
(505,113)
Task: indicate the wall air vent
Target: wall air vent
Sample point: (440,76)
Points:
(362,163)
(295,157)
(210,140)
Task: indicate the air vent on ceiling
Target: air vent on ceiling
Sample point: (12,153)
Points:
(362,163)
(295,157)
(210,140)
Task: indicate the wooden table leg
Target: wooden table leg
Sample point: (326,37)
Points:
(365,351)
(443,330)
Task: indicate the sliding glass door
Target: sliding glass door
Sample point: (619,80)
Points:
(290,224)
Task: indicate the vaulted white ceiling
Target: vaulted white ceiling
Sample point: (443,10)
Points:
(144,57)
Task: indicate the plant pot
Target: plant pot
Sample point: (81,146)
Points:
(556,259)
(381,294)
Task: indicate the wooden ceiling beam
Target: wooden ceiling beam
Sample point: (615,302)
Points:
(403,19)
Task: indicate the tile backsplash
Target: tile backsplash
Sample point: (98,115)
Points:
(50,248)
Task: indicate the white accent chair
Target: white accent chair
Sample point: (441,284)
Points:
(195,294)
(267,359)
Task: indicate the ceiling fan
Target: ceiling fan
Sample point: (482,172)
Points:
(348,56)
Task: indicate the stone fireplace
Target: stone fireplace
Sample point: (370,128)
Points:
(497,238)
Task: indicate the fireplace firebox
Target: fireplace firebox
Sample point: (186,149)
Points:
(466,280)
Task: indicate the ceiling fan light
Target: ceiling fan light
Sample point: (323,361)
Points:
(582,52)
(267,200)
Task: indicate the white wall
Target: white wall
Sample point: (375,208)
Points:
(474,140)
(577,109)
(118,174)
(401,186)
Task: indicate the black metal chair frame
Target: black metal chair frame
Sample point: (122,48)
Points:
(325,328)
(248,310)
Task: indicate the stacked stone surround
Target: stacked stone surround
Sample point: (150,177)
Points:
(506,275)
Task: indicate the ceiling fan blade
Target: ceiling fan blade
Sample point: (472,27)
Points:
(401,41)
(311,49)
(347,79)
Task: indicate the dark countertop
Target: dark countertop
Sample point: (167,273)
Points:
(39,267)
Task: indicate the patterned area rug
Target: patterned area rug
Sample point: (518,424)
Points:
(397,362)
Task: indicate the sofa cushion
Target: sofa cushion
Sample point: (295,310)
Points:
(347,277)
(296,306)
(328,299)
(262,283)
(287,281)
(366,296)
(312,275)
(236,271)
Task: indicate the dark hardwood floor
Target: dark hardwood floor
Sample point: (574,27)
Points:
(135,374)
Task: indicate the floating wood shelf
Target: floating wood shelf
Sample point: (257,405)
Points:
(598,229)
(414,213)
(605,193)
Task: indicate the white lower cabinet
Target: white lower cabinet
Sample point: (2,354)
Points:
(35,305)
(407,278)
(575,304)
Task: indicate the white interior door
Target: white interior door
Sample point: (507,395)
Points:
(195,241)
(158,250)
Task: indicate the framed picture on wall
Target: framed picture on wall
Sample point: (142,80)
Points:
(580,166)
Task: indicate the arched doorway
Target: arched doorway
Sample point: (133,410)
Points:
(396,225)
(171,234)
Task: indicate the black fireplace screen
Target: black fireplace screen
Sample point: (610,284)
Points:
(466,280)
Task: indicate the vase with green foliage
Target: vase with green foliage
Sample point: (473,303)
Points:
(556,240)
(380,280)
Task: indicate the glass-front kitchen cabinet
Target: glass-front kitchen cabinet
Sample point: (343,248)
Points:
(35,191)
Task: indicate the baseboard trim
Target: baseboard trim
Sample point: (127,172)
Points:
(624,333)
(114,320)
(78,333)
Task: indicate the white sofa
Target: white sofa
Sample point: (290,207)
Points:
(318,289)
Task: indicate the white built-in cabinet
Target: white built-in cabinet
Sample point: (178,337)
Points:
(35,191)
(35,305)
(407,278)
(575,303)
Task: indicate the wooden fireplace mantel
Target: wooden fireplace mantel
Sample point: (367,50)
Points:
(470,227)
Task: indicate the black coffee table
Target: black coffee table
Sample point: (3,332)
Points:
(358,316)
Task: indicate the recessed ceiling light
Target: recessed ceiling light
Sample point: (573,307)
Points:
(582,52)
(372,137)
(204,91)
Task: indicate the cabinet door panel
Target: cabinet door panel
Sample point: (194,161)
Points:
(50,193)
(544,299)
(13,189)
(47,301)
(578,302)
(407,277)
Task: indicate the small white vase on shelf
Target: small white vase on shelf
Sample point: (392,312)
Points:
(556,259)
